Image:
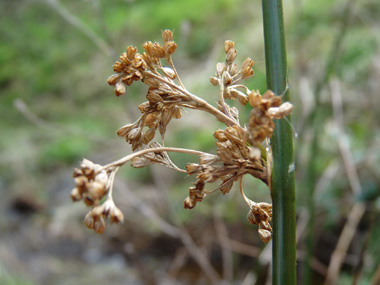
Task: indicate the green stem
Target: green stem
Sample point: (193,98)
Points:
(283,189)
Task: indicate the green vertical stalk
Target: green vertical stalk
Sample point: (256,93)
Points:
(283,189)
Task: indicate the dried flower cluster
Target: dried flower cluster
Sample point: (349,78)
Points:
(94,186)
(239,149)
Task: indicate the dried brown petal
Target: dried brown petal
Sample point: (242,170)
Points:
(148,47)
(128,80)
(118,66)
(151,120)
(243,100)
(266,207)
(170,48)
(231,55)
(254,99)
(100,225)
(248,62)
(254,153)
(265,235)
(113,79)
(214,81)
(102,177)
(227,79)
(165,119)
(169,72)
(134,134)
(192,168)
(152,82)
(246,73)
(208,158)
(176,113)
(220,67)
(220,136)
(268,94)
(148,61)
(189,203)
(89,221)
(226,186)
(232,69)
(119,88)
(167,35)
(148,136)
(124,130)
(252,217)
(154,97)
(77,172)
(116,216)
(228,45)
(285,109)
(75,195)
(145,107)
(87,164)
(159,106)
(140,162)
(131,52)
(124,59)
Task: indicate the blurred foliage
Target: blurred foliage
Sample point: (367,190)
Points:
(60,74)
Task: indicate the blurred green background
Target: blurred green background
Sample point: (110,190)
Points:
(57,108)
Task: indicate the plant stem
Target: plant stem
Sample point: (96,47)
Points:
(283,189)
(127,158)
(201,104)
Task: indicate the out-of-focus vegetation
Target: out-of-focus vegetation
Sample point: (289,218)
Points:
(56,108)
